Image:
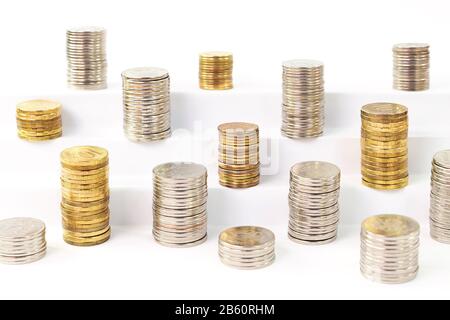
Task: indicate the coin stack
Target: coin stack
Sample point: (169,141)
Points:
(239,155)
(314,202)
(384,146)
(85,195)
(390,248)
(146,104)
(411,66)
(303,99)
(216,70)
(247,247)
(39,120)
(22,240)
(86,57)
(440,197)
(180,195)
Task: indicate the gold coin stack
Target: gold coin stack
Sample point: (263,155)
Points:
(411,66)
(146,104)
(303,99)
(390,248)
(216,70)
(85,195)
(180,195)
(86,57)
(239,155)
(39,120)
(384,146)
(440,197)
(247,247)
(314,202)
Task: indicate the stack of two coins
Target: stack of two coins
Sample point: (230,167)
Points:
(146,104)
(247,247)
(239,155)
(303,99)
(180,195)
(216,70)
(85,195)
(39,120)
(384,146)
(390,248)
(440,197)
(314,202)
(411,66)
(22,240)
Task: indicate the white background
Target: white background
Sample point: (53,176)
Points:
(353,38)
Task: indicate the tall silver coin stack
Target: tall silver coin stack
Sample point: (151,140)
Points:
(303,99)
(22,240)
(411,66)
(86,57)
(389,248)
(180,195)
(247,247)
(146,104)
(314,202)
(440,197)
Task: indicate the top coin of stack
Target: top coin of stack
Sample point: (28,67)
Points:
(411,66)
(86,57)
(303,99)
(216,70)
(39,120)
(384,146)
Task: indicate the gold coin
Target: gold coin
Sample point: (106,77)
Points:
(383,109)
(39,106)
(390,225)
(84,157)
(399,181)
(88,241)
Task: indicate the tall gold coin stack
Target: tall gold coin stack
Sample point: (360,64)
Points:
(216,70)
(314,202)
(303,99)
(390,248)
(239,155)
(85,195)
(180,195)
(440,197)
(384,146)
(247,247)
(146,104)
(39,120)
(411,66)
(86,58)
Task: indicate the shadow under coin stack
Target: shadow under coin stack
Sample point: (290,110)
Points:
(86,57)
(216,70)
(384,146)
(85,195)
(390,248)
(180,195)
(239,155)
(146,104)
(39,120)
(440,197)
(303,99)
(22,240)
(247,247)
(314,202)
(411,66)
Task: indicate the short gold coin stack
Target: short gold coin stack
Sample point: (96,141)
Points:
(303,99)
(411,66)
(180,193)
(86,58)
(216,70)
(390,248)
(314,202)
(39,120)
(239,155)
(85,195)
(146,104)
(247,247)
(384,146)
